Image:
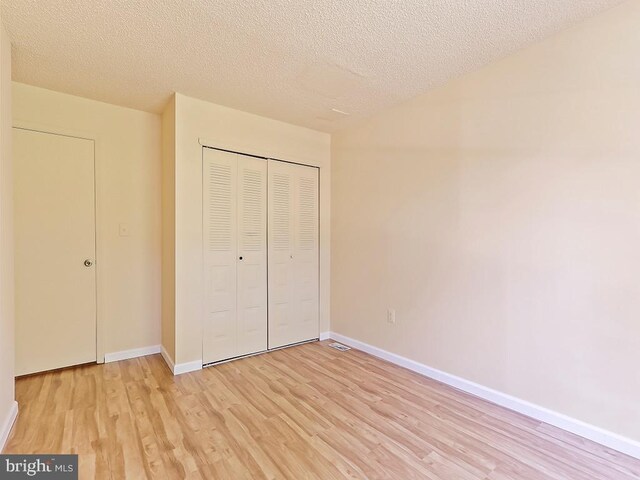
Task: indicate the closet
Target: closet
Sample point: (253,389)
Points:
(260,224)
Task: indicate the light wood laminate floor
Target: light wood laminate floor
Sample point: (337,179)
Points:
(307,412)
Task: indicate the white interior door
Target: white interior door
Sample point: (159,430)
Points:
(252,255)
(235,255)
(220,205)
(293,253)
(54,238)
(306,253)
(281,249)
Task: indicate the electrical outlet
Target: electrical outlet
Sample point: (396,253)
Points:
(391,315)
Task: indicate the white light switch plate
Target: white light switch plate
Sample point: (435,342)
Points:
(123,229)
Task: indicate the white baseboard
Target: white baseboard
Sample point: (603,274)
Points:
(167,358)
(133,353)
(187,367)
(578,427)
(325,335)
(5,428)
(180,368)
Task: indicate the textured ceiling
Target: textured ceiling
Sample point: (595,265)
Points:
(294,60)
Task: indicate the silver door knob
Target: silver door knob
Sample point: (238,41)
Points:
(88,263)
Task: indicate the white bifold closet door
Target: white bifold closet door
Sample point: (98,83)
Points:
(293,253)
(235,255)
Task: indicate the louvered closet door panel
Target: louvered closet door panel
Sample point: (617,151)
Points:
(280,241)
(220,172)
(252,255)
(293,253)
(305,253)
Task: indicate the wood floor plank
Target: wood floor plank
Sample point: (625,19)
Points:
(306,412)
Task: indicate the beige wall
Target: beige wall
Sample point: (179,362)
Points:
(169,228)
(128,191)
(7,403)
(500,217)
(198,121)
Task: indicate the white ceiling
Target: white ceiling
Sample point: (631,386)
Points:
(294,60)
